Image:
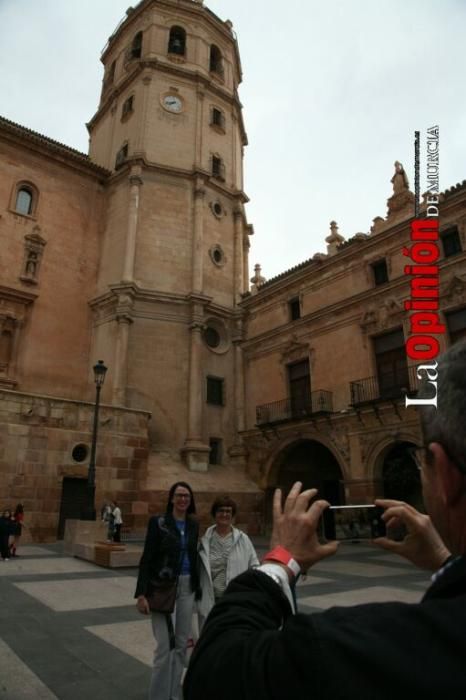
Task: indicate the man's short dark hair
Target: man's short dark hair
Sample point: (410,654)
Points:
(223,502)
(446,423)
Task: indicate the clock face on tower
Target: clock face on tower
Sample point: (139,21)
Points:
(173,103)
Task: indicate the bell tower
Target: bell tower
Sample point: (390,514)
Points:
(174,256)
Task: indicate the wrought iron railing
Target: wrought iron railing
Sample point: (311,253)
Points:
(316,403)
(385,387)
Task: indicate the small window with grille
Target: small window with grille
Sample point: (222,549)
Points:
(215,391)
(215,456)
(294,308)
(217,118)
(218,169)
(380,272)
(128,107)
(451,242)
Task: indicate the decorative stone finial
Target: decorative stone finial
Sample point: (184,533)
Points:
(334,239)
(257,280)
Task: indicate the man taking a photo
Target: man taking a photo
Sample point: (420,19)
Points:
(254,648)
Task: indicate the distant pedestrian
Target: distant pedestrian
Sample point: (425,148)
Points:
(18,518)
(117,522)
(105,512)
(6,530)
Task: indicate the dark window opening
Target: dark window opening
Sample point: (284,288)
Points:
(215,63)
(109,78)
(218,118)
(23,204)
(6,347)
(299,381)
(215,391)
(380,271)
(392,368)
(217,167)
(456,323)
(121,156)
(215,456)
(136,46)
(218,211)
(177,41)
(127,107)
(295,309)
(80,452)
(212,337)
(451,242)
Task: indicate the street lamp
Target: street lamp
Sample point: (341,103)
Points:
(100,370)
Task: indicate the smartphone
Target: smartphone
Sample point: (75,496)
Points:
(353,523)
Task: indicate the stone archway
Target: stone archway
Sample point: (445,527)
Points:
(312,463)
(400,475)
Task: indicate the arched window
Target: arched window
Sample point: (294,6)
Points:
(216,62)
(177,41)
(25,199)
(136,46)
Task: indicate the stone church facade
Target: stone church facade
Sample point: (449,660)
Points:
(138,255)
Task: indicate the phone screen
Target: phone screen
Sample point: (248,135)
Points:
(353,523)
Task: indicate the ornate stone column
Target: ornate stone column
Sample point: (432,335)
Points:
(239,248)
(121,360)
(238,451)
(135,181)
(140,145)
(198,225)
(195,451)
(120,373)
(246,246)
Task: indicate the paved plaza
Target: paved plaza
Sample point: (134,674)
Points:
(69,629)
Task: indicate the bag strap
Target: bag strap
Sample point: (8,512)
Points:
(171,631)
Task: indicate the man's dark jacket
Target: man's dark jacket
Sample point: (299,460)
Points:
(379,651)
(162,555)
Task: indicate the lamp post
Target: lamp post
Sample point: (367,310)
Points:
(100,370)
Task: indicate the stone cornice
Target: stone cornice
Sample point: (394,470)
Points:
(9,393)
(17,295)
(301,272)
(201,80)
(187,6)
(208,180)
(149,295)
(394,289)
(21,135)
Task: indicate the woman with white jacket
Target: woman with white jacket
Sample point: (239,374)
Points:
(224,552)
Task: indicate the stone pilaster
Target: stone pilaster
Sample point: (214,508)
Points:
(196,452)
(239,264)
(198,234)
(135,181)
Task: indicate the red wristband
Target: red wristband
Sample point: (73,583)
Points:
(282,555)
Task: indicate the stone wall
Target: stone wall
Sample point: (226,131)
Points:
(37,438)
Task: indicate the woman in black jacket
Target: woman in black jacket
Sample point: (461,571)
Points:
(170,552)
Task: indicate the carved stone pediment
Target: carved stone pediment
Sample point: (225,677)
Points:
(387,314)
(454,288)
(294,350)
(369,319)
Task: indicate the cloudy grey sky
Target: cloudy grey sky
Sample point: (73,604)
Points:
(332,92)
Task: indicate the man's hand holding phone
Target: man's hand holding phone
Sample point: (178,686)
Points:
(296,524)
(422,545)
